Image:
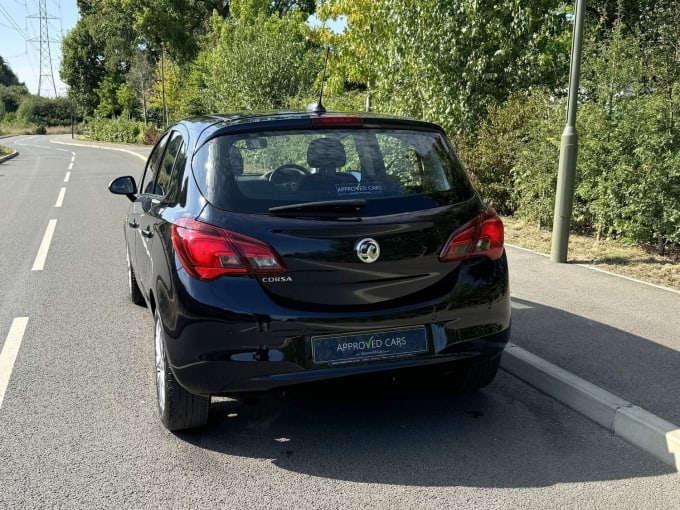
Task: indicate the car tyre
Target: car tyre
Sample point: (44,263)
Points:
(135,292)
(481,374)
(178,408)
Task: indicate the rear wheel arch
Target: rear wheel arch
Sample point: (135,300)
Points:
(178,409)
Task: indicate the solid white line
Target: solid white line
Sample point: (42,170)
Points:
(9,352)
(40,258)
(67,176)
(60,198)
(70,165)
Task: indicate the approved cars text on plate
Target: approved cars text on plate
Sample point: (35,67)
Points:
(284,248)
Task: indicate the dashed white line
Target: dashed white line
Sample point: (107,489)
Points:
(60,198)
(70,165)
(9,352)
(67,176)
(41,257)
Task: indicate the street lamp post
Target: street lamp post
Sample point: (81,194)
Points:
(566,174)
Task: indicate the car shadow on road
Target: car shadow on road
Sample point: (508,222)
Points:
(507,435)
(636,369)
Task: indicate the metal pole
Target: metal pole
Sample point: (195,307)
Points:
(566,174)
(165,109)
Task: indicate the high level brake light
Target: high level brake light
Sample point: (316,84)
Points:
(482,236)
(337,121)
(208,252)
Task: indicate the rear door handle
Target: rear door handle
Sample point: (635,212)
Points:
(147,233)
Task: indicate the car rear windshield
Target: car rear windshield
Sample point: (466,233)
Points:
(389,169)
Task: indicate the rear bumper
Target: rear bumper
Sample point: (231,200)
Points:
(241,341)
(238,375)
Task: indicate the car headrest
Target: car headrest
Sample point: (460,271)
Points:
(326,153)
(235,160)
(225,158)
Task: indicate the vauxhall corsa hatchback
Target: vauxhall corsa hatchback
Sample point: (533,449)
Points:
(287,248)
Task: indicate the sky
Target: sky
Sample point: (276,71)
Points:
(19,24)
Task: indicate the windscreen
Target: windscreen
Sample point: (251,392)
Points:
(254,172)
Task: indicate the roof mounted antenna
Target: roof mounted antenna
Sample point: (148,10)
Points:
(318,106)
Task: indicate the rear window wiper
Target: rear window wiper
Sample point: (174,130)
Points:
(326,207)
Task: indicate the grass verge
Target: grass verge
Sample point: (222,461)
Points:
(614,256)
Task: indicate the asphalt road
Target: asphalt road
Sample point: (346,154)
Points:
(78,425)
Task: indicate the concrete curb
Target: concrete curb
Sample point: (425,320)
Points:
(642,429)
(9,156)
(94,146)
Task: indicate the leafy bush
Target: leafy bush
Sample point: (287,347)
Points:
(116,130)
(46,112)
(151,135)
(39,130)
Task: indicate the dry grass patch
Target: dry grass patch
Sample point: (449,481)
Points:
(614,256)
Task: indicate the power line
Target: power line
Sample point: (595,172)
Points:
(14,24)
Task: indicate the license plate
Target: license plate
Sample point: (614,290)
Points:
(370,345)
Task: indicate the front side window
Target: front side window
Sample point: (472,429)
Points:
(257,171)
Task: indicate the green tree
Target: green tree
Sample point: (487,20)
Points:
(7,76)
(45,112)
(140,78)
(109,104)
(169,83)
(11,96)
(257,63)
(449,62)
(82,67)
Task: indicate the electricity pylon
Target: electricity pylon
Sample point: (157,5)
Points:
(46,77)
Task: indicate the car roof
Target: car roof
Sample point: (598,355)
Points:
(209,126)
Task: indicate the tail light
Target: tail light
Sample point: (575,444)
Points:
(482,236)
(208,252)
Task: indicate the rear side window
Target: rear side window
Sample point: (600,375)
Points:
(256,171)
(162,184)
(152,165)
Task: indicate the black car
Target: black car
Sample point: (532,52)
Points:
(283,248)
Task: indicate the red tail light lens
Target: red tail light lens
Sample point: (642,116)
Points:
(482,236)
(207,252)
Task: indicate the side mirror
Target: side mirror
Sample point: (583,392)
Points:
(125,185)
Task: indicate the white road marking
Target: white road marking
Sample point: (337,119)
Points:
(41,257)
(67,176)
(70,165)
(9,352)
(60,198)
